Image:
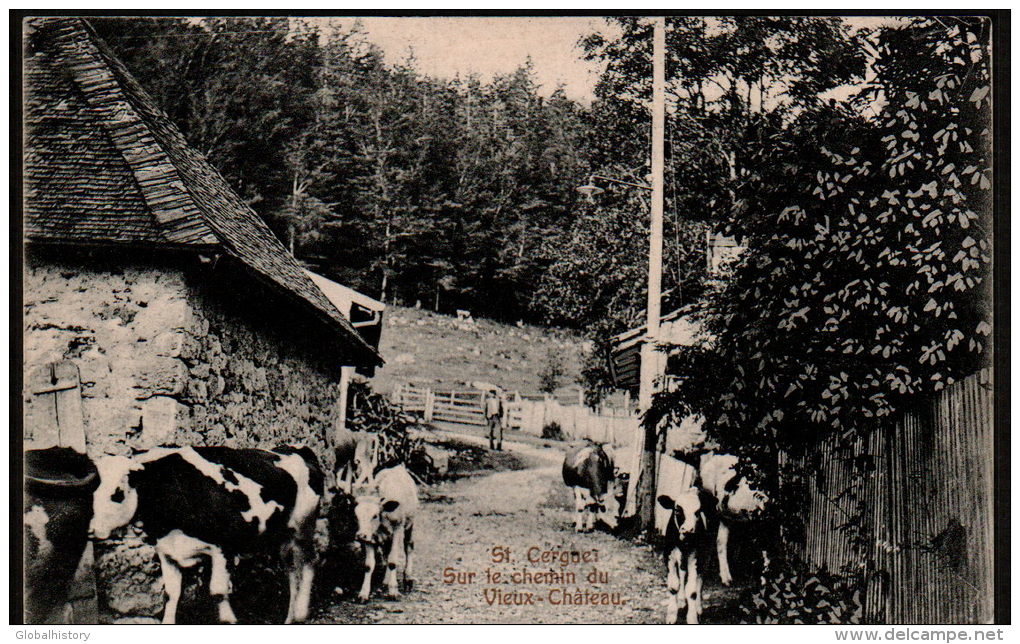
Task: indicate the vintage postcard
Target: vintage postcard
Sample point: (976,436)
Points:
(512,319)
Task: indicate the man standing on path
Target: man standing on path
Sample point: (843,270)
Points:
(494,418)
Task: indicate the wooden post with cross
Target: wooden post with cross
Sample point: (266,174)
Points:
(54,416)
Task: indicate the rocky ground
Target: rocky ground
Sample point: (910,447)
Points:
(493,522)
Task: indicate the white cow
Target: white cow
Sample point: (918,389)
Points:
(385,512)
(687,533)
(736,501)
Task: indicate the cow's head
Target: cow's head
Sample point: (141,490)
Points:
(742,501)
(372,512)
(689,510)
(115,500)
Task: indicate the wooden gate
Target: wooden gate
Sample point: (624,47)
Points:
(465,407)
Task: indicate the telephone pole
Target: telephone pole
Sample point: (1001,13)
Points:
(649,350)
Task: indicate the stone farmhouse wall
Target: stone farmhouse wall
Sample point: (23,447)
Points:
(168,356)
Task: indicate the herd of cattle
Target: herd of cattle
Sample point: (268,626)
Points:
(211,504)
(216,503)
(712,500)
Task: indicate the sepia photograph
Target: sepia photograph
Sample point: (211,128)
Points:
(510,318)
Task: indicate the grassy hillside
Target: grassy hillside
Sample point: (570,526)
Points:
(441,351)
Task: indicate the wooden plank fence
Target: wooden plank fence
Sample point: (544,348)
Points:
(930,513)
(576,421)
(527,413)
(451,406)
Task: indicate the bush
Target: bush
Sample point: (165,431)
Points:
(797,594)
(553,431)
(552,371)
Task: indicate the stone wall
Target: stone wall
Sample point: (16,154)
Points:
(256,376)
(169,355)
(120,327)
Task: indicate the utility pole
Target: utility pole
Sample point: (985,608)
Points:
(649,353)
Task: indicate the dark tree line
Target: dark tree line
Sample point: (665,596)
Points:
(451,193)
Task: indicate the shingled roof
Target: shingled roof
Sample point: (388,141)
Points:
(103,165)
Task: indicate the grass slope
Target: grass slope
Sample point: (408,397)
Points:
(445,353)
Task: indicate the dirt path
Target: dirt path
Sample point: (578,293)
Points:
(527,513)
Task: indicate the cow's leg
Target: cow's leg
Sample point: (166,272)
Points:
(580,503)
(499,446)
(288,555)
(692,589)
(366,584)
(590,513)
(598,510)
(722,546)
(409,558)
(219,585)
(673,585)
(395,562)
(304,572)
(171,585)
(492,434)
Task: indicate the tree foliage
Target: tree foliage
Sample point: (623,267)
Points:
(868,231)
(731,82)
(406,187)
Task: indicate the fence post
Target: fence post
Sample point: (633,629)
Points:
(430,402)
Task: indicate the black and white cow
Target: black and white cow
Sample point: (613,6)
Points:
(385,510)
(59,483)
(590,471)
(216,502)
(688,537)
(736,501)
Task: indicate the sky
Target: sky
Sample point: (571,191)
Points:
(488,46)
(446,47)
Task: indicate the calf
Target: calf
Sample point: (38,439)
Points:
(590,472)
(735,501)
(216,502)
(59,483)
(385,514)
(687,533)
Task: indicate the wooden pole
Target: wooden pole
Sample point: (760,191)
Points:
(649,357)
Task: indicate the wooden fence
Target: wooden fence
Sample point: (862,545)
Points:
(928,523)
(525,413)
(576,421)
(463,407)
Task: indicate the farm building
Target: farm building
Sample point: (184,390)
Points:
(158,307)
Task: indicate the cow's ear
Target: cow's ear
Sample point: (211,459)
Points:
(390,505)
(666,502)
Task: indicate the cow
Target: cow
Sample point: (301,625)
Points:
(385,513)
(736,501)
(589,470)
(216,502)
(59,483)
(687,537)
